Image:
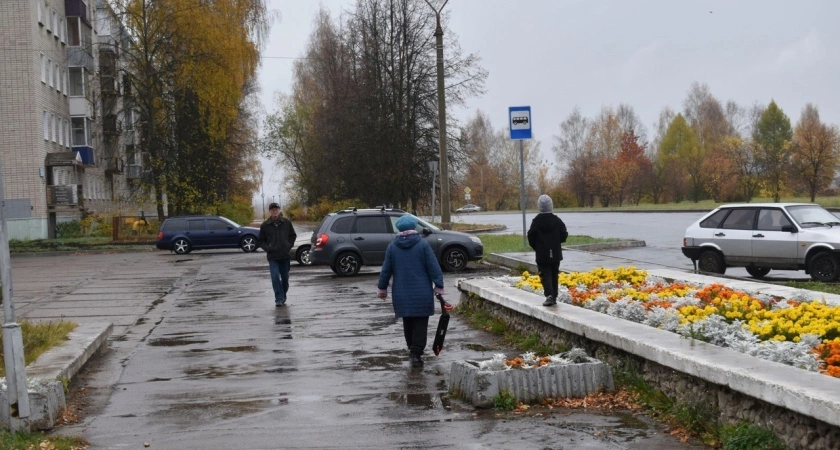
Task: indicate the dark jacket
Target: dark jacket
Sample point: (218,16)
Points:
(414,267)
(546,234)
(277,238)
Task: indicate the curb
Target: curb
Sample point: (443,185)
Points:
(52,368)
(512,260)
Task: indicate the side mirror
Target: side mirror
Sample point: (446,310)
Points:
(426,231)
(789,228)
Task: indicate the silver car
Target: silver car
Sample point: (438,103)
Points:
(765,236)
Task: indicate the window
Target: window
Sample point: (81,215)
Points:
(54,127)
(173,225)
(65,83)
(61,132)
(57,78)
(55,23)
(217,225)
(79,133)
(195,225)
(40,13)
(373,224)
(50,71)
(62,29)
(342,225)
(739,219)
(47,18)
(73,31)
(46,126)
(43,68)
(77,82)
(67,131)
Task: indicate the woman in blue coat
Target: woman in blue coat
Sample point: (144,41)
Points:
(417,278)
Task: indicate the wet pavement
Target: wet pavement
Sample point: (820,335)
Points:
(201,358)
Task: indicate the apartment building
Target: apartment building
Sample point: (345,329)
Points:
(67,147)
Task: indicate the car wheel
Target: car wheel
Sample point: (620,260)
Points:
(758,272)
(347,264)
(824,267)
(711,261)
(248,244)
(454,259)
(181,246)
(303,256)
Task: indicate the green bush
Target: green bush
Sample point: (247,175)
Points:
(239,212)
(68,229)
(505,401)
(747,436)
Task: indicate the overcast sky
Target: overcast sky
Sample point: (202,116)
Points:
(553,55)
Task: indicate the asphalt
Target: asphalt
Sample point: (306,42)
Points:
(198,357)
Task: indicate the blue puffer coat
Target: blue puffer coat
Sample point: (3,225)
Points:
(414,267)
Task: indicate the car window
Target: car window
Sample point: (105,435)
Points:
(342,225)
(217,225)
(173,225)
(714,220)
(371,224)
(771,220)
(811,215)
(739,219)
(195,225)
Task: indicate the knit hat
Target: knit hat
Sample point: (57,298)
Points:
(406,222)
(544,204)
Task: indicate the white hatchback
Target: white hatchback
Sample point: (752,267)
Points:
(765,236)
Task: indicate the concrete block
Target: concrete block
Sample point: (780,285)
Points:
(479,387)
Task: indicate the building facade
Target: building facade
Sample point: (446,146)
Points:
(68,144)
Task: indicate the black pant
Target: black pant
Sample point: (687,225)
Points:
(415,329)
(548,277)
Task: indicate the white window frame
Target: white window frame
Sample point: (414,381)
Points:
(62,30)
(67,132)
(54,128)
(43,68)
(57,78)
(55,23)
(46,125)
(50,71)
(40,13)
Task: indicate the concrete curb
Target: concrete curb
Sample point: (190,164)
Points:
(807,393)
(52,368)
(513,260)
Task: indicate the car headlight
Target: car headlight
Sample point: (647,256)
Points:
(475,239)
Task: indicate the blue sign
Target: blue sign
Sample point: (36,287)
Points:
(520,122)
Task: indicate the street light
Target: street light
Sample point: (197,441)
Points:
(433,168)
(444,161)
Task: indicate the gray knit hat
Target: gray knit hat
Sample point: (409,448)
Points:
(544,204)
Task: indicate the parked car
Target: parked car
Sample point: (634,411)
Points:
(300,251)
(348,239)
(468,208)
(187,233)
(766,236)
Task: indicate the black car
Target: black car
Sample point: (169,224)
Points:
(350,238)
(185,234)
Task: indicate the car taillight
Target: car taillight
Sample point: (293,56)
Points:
(322,240)
(160,235)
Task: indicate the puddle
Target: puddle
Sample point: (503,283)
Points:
(175,342)
(478,347)
(242,348)
(160,379)
(252,268)
(191,413)
(421,400)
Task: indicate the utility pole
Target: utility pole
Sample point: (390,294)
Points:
(16,390)
(445,218)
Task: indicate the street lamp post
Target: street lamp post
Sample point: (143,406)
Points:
(445,218)
(433,168)
(263,203)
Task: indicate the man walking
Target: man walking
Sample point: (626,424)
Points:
(277,236)
(545,235)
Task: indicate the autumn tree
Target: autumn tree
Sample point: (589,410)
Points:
(815,151)
(772,137)
(658,181)
(681,154)
(574,158)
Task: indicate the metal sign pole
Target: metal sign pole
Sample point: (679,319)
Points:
(16,391)
(522,191)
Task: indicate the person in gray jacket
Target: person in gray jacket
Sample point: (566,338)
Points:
(277,236)
(417,278)
(545,235)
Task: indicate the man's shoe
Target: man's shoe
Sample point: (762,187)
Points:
(279,305)
(550,301)
(416,361)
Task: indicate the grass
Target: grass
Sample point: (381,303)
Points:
(36,440)
(830,288)
(38,337)
(71,244)
(506,243)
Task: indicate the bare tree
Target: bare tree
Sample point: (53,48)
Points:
(573,157)
(815,151)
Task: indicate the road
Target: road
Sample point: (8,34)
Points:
(201,358)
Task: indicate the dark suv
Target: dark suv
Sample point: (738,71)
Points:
(350,238)
(185,234)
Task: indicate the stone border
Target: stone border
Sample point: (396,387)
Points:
(802,407)
(52,368)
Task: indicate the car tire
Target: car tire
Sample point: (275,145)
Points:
(181,246)
(454,259)
(248,244)
(347,264)
(304,255)
(711,261)
(824,267)
(758,272)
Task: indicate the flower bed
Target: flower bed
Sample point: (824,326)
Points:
(801,332)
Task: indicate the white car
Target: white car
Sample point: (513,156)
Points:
(765,236)
(468,209)
(300,252)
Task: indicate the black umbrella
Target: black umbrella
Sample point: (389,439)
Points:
(440,335)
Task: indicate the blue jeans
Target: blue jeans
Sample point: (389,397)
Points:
(279,278)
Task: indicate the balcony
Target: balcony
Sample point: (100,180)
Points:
(133,172)
(79,57)
(111,126)
(87,154)
(114,165)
